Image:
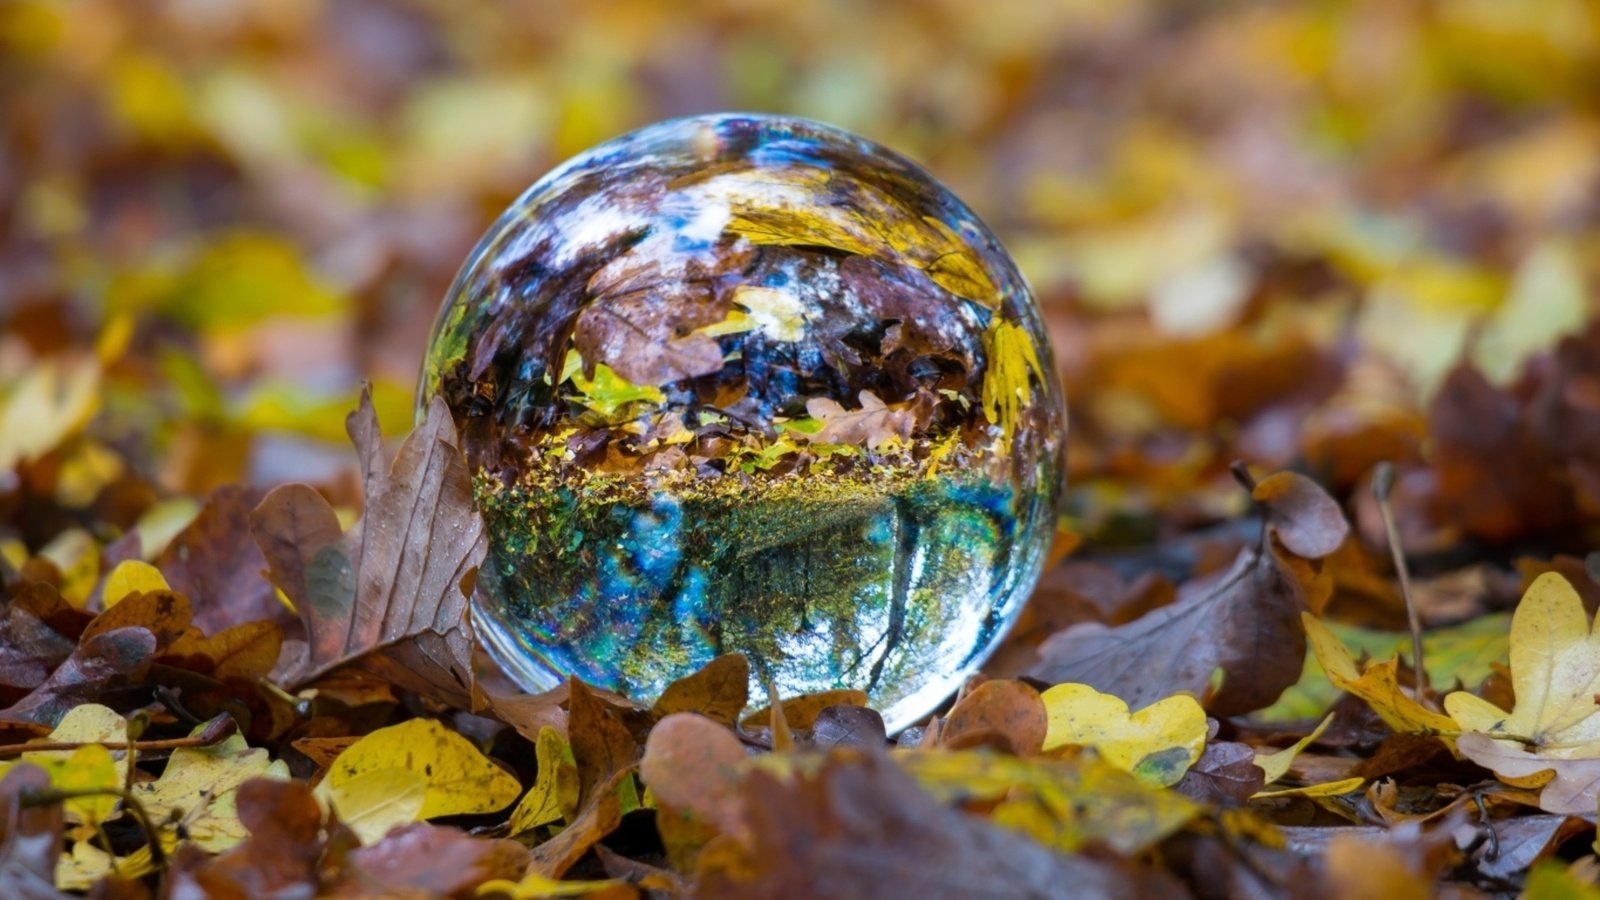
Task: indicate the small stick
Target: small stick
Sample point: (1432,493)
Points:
(1382,484)
(217,729)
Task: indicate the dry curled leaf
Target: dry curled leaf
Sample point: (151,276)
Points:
(1010,712)
(391,594)
(718,691)
(1244,622)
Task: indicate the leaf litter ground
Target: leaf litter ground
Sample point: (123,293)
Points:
(323,751)
(1313,237)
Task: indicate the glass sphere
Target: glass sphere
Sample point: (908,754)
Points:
(750,383)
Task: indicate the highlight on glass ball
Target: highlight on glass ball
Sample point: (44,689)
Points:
(755,384)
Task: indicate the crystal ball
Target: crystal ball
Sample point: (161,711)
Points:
(750,383)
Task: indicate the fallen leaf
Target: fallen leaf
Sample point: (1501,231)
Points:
(50,403)
(1554,881)
(460,779)
(432,860)
(1521,843)
(859,828)
(1326,789)
(802,711)
(198,787)
(718,691)
(534,886)
(1157,744)
(163,613)
(554,795)
(391,594)
(90,767)
(695,764)
(1553,649)
(245,652)
(1010,710)
(1243,622)
(597,819)
(38,630)
(1300,512)
(1359,869)
(374,802)
(214,562)
(1570,786)
(847,726)
(103,662)
(86,866)
(1065,803)
(132,576)
(280,857)
(1378,686)
(874,425)
(1225,775)
(1275,765)
(601,744)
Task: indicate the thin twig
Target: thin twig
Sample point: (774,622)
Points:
(1493,852)
(217,729)
(299,705)
(1382,484)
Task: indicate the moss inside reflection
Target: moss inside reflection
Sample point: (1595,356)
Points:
(611,582)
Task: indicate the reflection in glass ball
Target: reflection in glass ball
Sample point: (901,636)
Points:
(749,383)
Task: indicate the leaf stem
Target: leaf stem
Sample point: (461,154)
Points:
(1382,484)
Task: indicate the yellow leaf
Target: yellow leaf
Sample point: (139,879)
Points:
(610,393)
(1157,744)
(1551,880)
(769,208)
(1328,789)
(534,886)
(132,576)
(554,794)
(198,787)
(1276,764)
(86,468)
(777,312)
(955,267)
(377,800)
(1063,803)
(76,554)
(163,522)
(45,407)
(1553,675)
(90,767)
(1379,685)
(460,779)
(1007,387)
(87,864)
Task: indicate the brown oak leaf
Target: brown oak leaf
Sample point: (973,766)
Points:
(390,595)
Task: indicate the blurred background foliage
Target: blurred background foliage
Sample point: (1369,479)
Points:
(1259,230)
